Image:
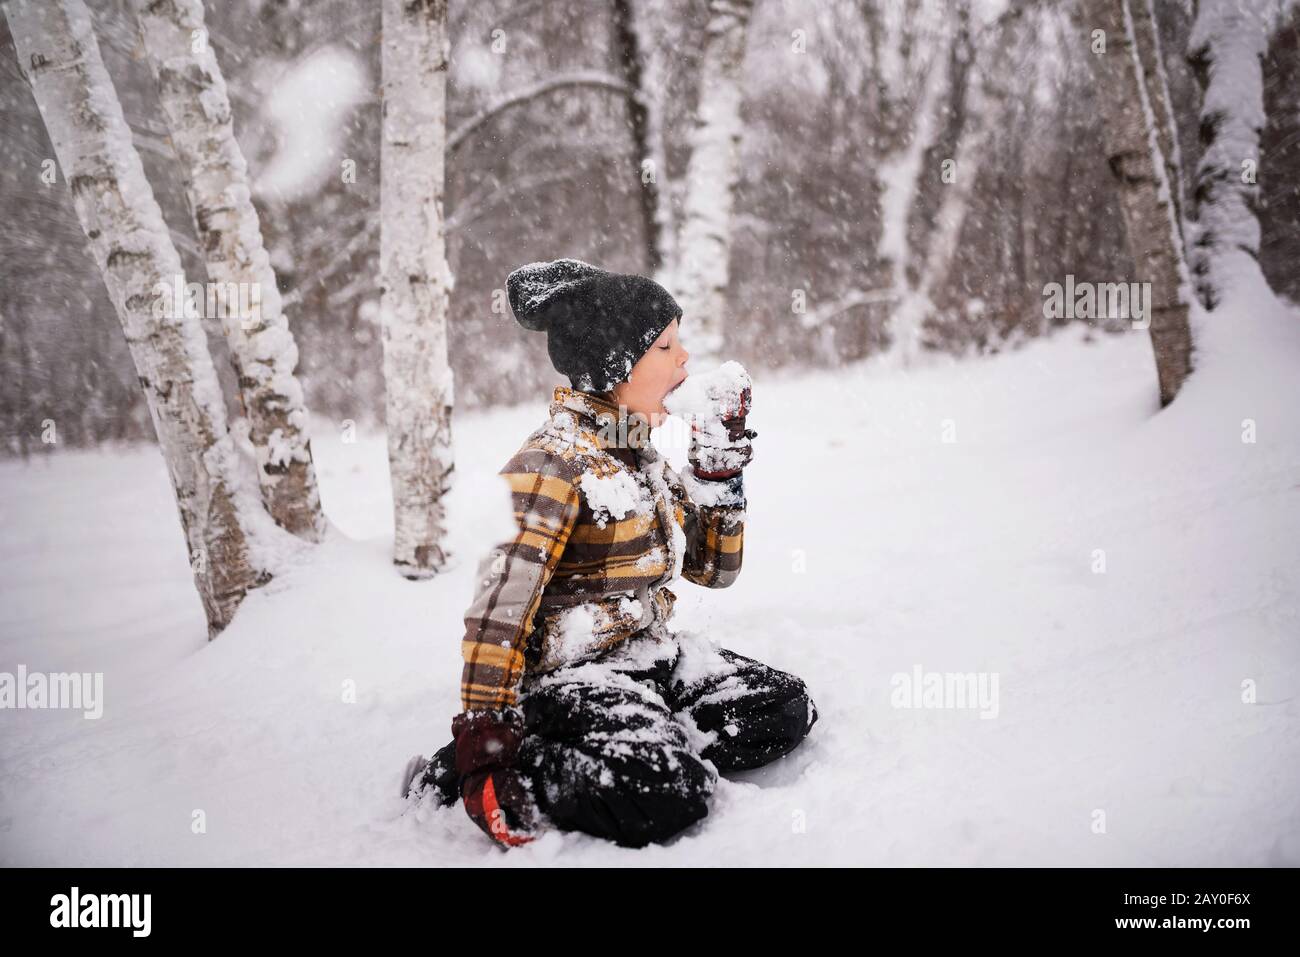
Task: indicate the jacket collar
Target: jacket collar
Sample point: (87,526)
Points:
(611,424)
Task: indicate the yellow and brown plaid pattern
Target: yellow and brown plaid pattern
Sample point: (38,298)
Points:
(564,555)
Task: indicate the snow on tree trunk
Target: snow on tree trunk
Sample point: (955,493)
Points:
(1156,80)
(917,87)
(969,113)
(939,110)
(197,109)
(416,279)
(1228,41)
(59,57)
(701,272)
(1133,152)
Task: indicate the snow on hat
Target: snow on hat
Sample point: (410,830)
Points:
(597,323)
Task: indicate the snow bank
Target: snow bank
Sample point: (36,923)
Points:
(1129,574)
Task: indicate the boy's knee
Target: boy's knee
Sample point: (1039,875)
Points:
(757,727)
(793,711)
(800,708)
(632,801)
(653,813)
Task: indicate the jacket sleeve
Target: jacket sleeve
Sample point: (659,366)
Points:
(712,516)
(508,590)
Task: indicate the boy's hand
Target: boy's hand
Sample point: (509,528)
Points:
(499,804)
(496,797)
(720,450)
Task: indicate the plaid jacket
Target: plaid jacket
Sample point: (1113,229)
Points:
(591,562)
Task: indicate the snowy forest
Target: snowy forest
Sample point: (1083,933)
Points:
(1018,282)
(839,244)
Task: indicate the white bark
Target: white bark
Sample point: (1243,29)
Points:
(1132,146)
(921,83)
(899,185)
(1146,33)
(957,195)
(976,110)
(701,272)
(1228,40)
(416,279)
(947,87)
(59,57)
(197,110)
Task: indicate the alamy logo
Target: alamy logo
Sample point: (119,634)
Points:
(102,910)
(1100,300)
(628,430)
(946,689)
(212,300)
(62,690)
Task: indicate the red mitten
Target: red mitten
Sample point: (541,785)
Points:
(720,450)
(495,795)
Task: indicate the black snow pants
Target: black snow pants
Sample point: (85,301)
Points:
(627,747)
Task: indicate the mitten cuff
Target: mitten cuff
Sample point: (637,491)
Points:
(711,492)
(487,739)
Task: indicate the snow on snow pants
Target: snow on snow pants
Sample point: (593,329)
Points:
(627,747)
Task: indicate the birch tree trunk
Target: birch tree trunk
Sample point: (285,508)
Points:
(634,54)
(913,100)
(1133,152)
(968,109)
(1146,34)
(701,273)
(59,57)
(1279,145)
(264,354)
(654,79)
(416,279)
(939,111)
(1229,39)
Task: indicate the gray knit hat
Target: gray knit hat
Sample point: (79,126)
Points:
(597,323)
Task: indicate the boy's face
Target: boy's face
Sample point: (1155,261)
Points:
(658,372)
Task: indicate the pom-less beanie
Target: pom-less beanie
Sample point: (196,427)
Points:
(597,323)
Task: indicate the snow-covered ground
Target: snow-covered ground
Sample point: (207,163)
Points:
(873,547)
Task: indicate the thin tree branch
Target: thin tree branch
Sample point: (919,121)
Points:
(587,78)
